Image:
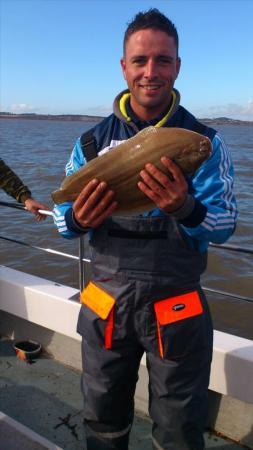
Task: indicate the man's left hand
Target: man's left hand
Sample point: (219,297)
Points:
(168,192)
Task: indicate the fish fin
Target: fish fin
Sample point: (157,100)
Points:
(62,195)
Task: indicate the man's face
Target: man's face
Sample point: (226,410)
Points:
(150,67)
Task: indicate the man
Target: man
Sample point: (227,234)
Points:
(146,269)
(12,185)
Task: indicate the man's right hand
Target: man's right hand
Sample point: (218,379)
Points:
(94,204)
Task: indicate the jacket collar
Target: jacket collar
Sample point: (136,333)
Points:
(123,111)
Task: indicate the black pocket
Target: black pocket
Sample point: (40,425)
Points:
(94,329)
(184,337)
(90,326)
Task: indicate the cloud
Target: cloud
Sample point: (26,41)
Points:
(100,110)
(18,108)
(231,110)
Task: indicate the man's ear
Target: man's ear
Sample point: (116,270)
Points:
(178,65)
(123,66)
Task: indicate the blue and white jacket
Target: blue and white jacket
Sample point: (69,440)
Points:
(213,217)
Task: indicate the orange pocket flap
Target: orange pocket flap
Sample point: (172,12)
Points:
(99,301)
(177,308)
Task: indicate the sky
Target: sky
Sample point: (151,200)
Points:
(63,56)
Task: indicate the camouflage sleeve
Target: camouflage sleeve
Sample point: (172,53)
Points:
(12,184)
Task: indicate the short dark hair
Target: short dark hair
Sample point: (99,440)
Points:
(154,19)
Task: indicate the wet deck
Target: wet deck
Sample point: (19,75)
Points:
(45,397)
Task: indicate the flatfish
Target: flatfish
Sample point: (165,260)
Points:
(120,167)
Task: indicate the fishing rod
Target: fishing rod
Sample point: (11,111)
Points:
(228,294)
(234,248)
(22,207)
(48,250)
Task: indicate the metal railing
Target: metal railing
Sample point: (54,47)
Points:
(82,260)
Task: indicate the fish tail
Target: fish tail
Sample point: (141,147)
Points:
(58,196)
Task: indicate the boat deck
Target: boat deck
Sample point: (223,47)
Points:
(45,397)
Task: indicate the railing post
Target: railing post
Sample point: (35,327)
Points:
(81,263)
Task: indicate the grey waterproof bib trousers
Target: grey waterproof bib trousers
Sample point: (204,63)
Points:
(145,297)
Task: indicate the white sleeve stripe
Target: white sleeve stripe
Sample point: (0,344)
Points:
(212,222)
(225,177)
(227,215)
(226,221)
(232,214)
(56,213)
(60,218)
(223,220)
(70,165)
(218,227)
(209,228)
(220,218)
(223,227)
(62,229)
(57,218)
(217,223)
(62,223)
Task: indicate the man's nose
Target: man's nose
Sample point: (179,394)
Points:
(150,69)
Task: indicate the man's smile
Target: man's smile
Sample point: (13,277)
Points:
(150,87)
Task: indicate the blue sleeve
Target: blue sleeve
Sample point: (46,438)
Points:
(212,188)
(63,216)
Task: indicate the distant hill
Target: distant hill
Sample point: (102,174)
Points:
(226,121)
(65,117)
(87,118)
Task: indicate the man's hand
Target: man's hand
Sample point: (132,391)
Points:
(167,192)
(94,204)
(33,206)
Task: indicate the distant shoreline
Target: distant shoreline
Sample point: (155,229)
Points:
(96,119)
(63,117)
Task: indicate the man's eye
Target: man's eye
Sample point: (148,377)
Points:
(165,61)
(139,61)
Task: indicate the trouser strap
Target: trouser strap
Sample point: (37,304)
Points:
(106,440)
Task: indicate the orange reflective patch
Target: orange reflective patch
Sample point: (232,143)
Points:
(99,301)
(177,308)
(160,344)
(109,330)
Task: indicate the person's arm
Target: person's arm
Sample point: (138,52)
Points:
(214,215)
(63,213)
(93,205)
(13,186)
(205,206)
